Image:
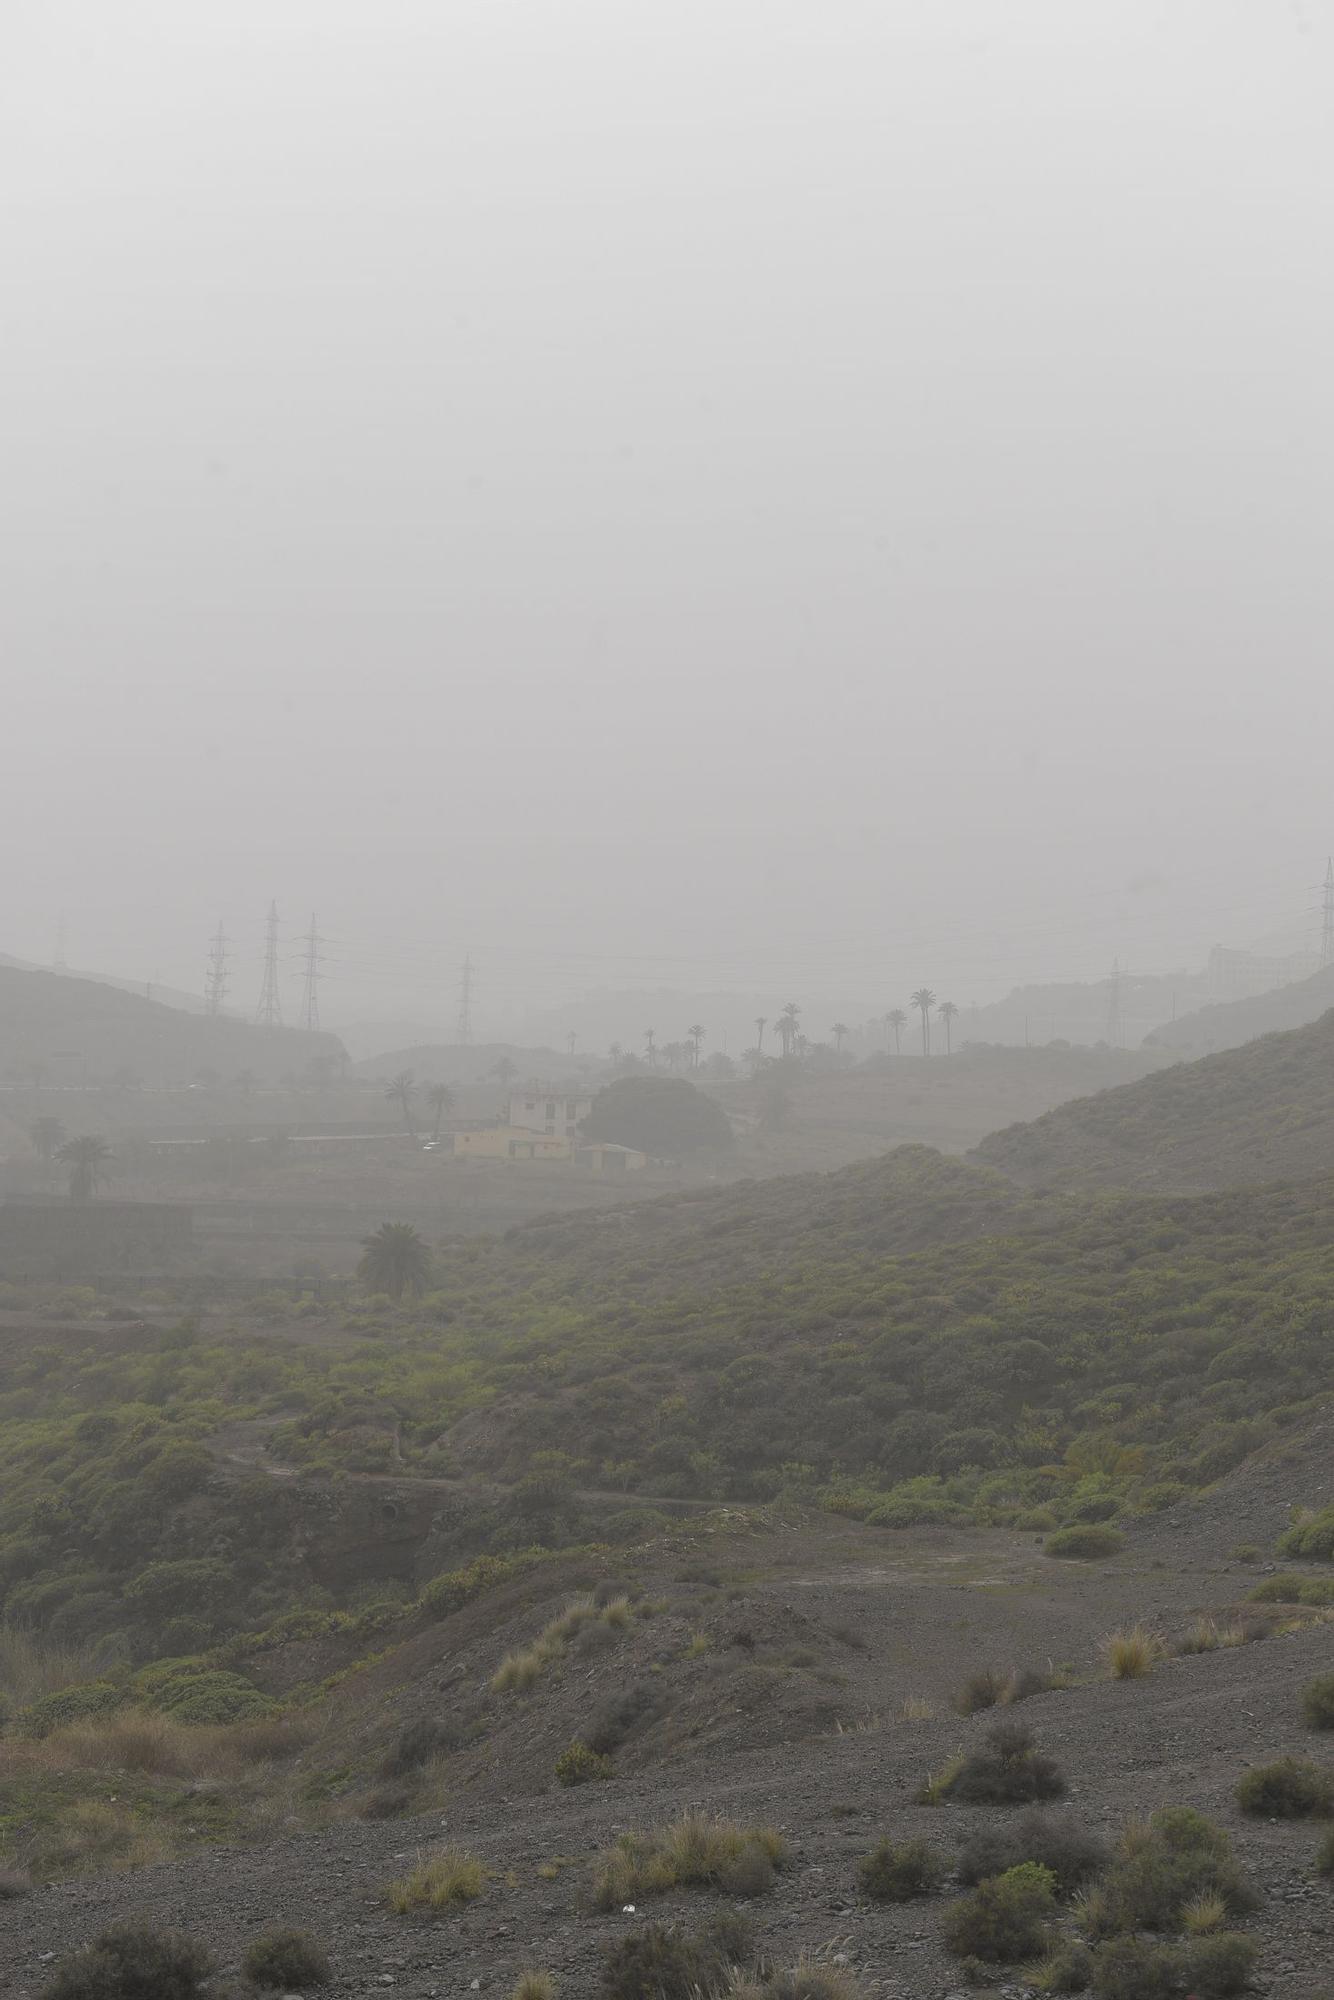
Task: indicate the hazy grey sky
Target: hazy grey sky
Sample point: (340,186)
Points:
(819,496)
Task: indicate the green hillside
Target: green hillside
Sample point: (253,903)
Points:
(1264,1112)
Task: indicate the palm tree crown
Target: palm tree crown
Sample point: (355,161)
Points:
(394,1260)
(85,1157)
(947,1011)
(924,1000)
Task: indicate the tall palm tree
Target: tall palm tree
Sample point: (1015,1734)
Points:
(398,1090)
(394,1260)
(947,1011)
(504,1069)
(648,1044)
(924,1000)
(441,1099)
(760,1025)
(896,1021)
(787,1025)
(695,1035)
(675,1053)
(48,1135)
(838,1031)
(85,1157)
(615,1052)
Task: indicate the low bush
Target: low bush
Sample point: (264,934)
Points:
(1291,1788)
(1215,1967)
(890,1874)
(132,1961)
(1324,1860)
(694,1851)
(1072,1854)
(440,1881)
(1134,1968)
(1161,1868)
(1086,1543)
(578,1765)
(457,1587)
(808,1979)
(73,1704)
(419,1743)
(1318,1702)
(1312,1538)
(619,1717)
(1067,1968)
(675,1965)
(1008,1769)
(1132,1654)
(982,1689)
(288,1960)
(1005,1918)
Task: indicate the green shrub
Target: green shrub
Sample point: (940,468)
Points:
(132,1961)
(1008,1769)
(1071,1854)
(456,1587)
(1068,1968)
(1218,1966)
(1132,1968)
(674,1965)
(1084,1544)
(212,1694)
(1313,1539)
(290,1960)
(1291,1788)
(1318,1702)
(74,1704)
(1157,1870)
(890,1874)
(1005,1917)
(578,1765)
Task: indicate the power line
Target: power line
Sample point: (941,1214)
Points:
(310,990)
(463,1033)
(269,1013)
(215,979)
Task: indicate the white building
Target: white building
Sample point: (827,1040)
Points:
(553,1112)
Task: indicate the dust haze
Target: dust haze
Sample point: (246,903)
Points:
(746,499)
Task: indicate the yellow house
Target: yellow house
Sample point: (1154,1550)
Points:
(510,1142)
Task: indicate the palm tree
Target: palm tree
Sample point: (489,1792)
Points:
(394,1260)
(504,1069)
(615,1052)
(652,1052)
(924,999)
(48,1135)
(760,1025)
(897,1021)
(441,1099)
(947,1011)
(695,1034)
(85,1157)
(787,1025)
(839,1029)
(398,1090)
(675,1053)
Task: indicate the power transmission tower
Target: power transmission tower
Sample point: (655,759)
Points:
(215,979)
(310,990)
(1327,917)
(1115,1031)
(269,1013)
(463,1030)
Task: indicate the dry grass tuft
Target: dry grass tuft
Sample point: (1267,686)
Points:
(1132,1655)
(584,1621)
(443,1880)
(534,1986)
(693,1851)
(1204,1913)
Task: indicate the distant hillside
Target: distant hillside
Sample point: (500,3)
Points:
(1079,1012)
(452,1062)
(57,1029)
(1227,1024)
(1264,1112)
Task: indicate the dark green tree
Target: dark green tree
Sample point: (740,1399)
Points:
(666,1117)
(394,1260)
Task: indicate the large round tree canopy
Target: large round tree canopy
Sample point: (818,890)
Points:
(661,1115)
